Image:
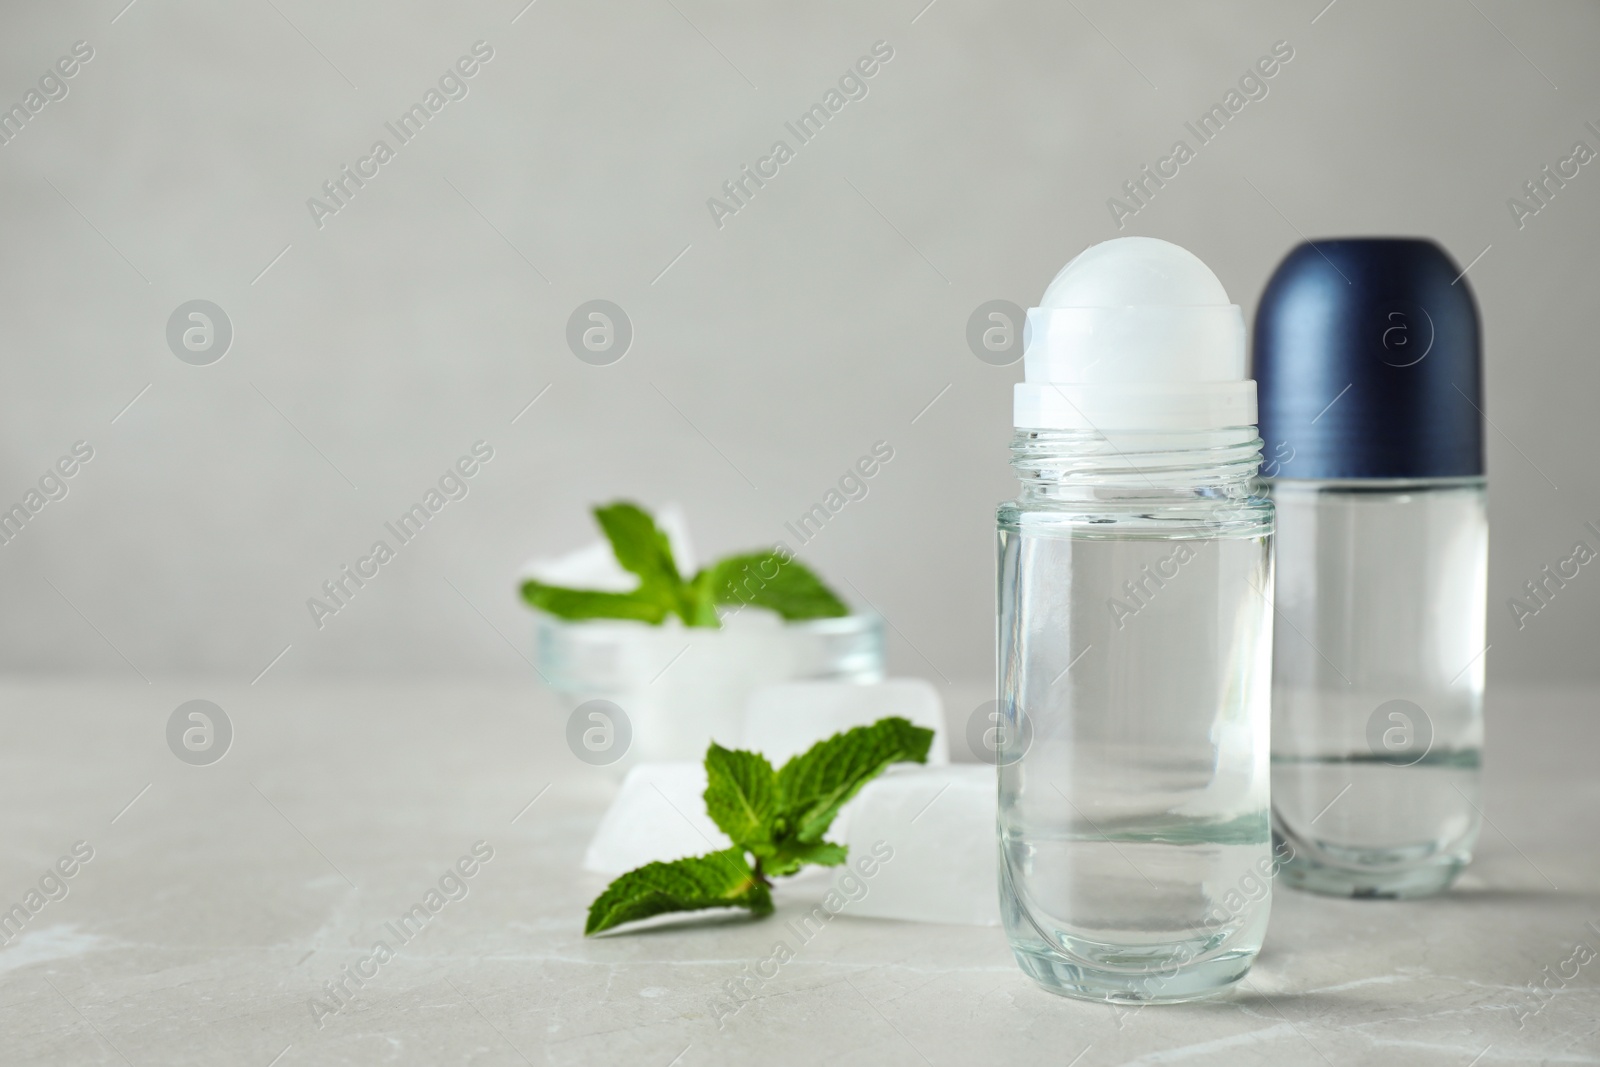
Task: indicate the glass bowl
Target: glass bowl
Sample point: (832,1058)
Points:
(676,688)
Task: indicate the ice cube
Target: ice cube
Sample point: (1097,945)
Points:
(938,825)
(659,814)
(786,718)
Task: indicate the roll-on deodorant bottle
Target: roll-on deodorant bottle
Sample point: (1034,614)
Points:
(1135,637)
(1367,355)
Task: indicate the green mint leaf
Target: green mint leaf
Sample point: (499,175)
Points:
(789,854)
(818,782)
(590,604)
(696,605)
(642,549)
(742,796)
(776,582)
(718,880)
(640,546)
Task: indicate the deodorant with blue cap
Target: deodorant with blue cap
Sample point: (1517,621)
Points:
(1367,359)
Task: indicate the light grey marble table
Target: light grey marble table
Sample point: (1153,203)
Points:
(220,899)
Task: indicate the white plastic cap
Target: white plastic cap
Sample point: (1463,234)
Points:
(1135,334)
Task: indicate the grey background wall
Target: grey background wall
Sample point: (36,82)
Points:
(769,352)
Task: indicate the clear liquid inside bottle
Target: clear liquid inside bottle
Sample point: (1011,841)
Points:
(1134,650)
(1378,682)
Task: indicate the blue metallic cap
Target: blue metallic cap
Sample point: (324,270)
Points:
(1367,359)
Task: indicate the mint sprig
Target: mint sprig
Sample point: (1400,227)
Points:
(772,580)
(775,819)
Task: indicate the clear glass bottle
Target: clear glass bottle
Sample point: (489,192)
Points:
(1378,682)
(1369,358)
(1134,651)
